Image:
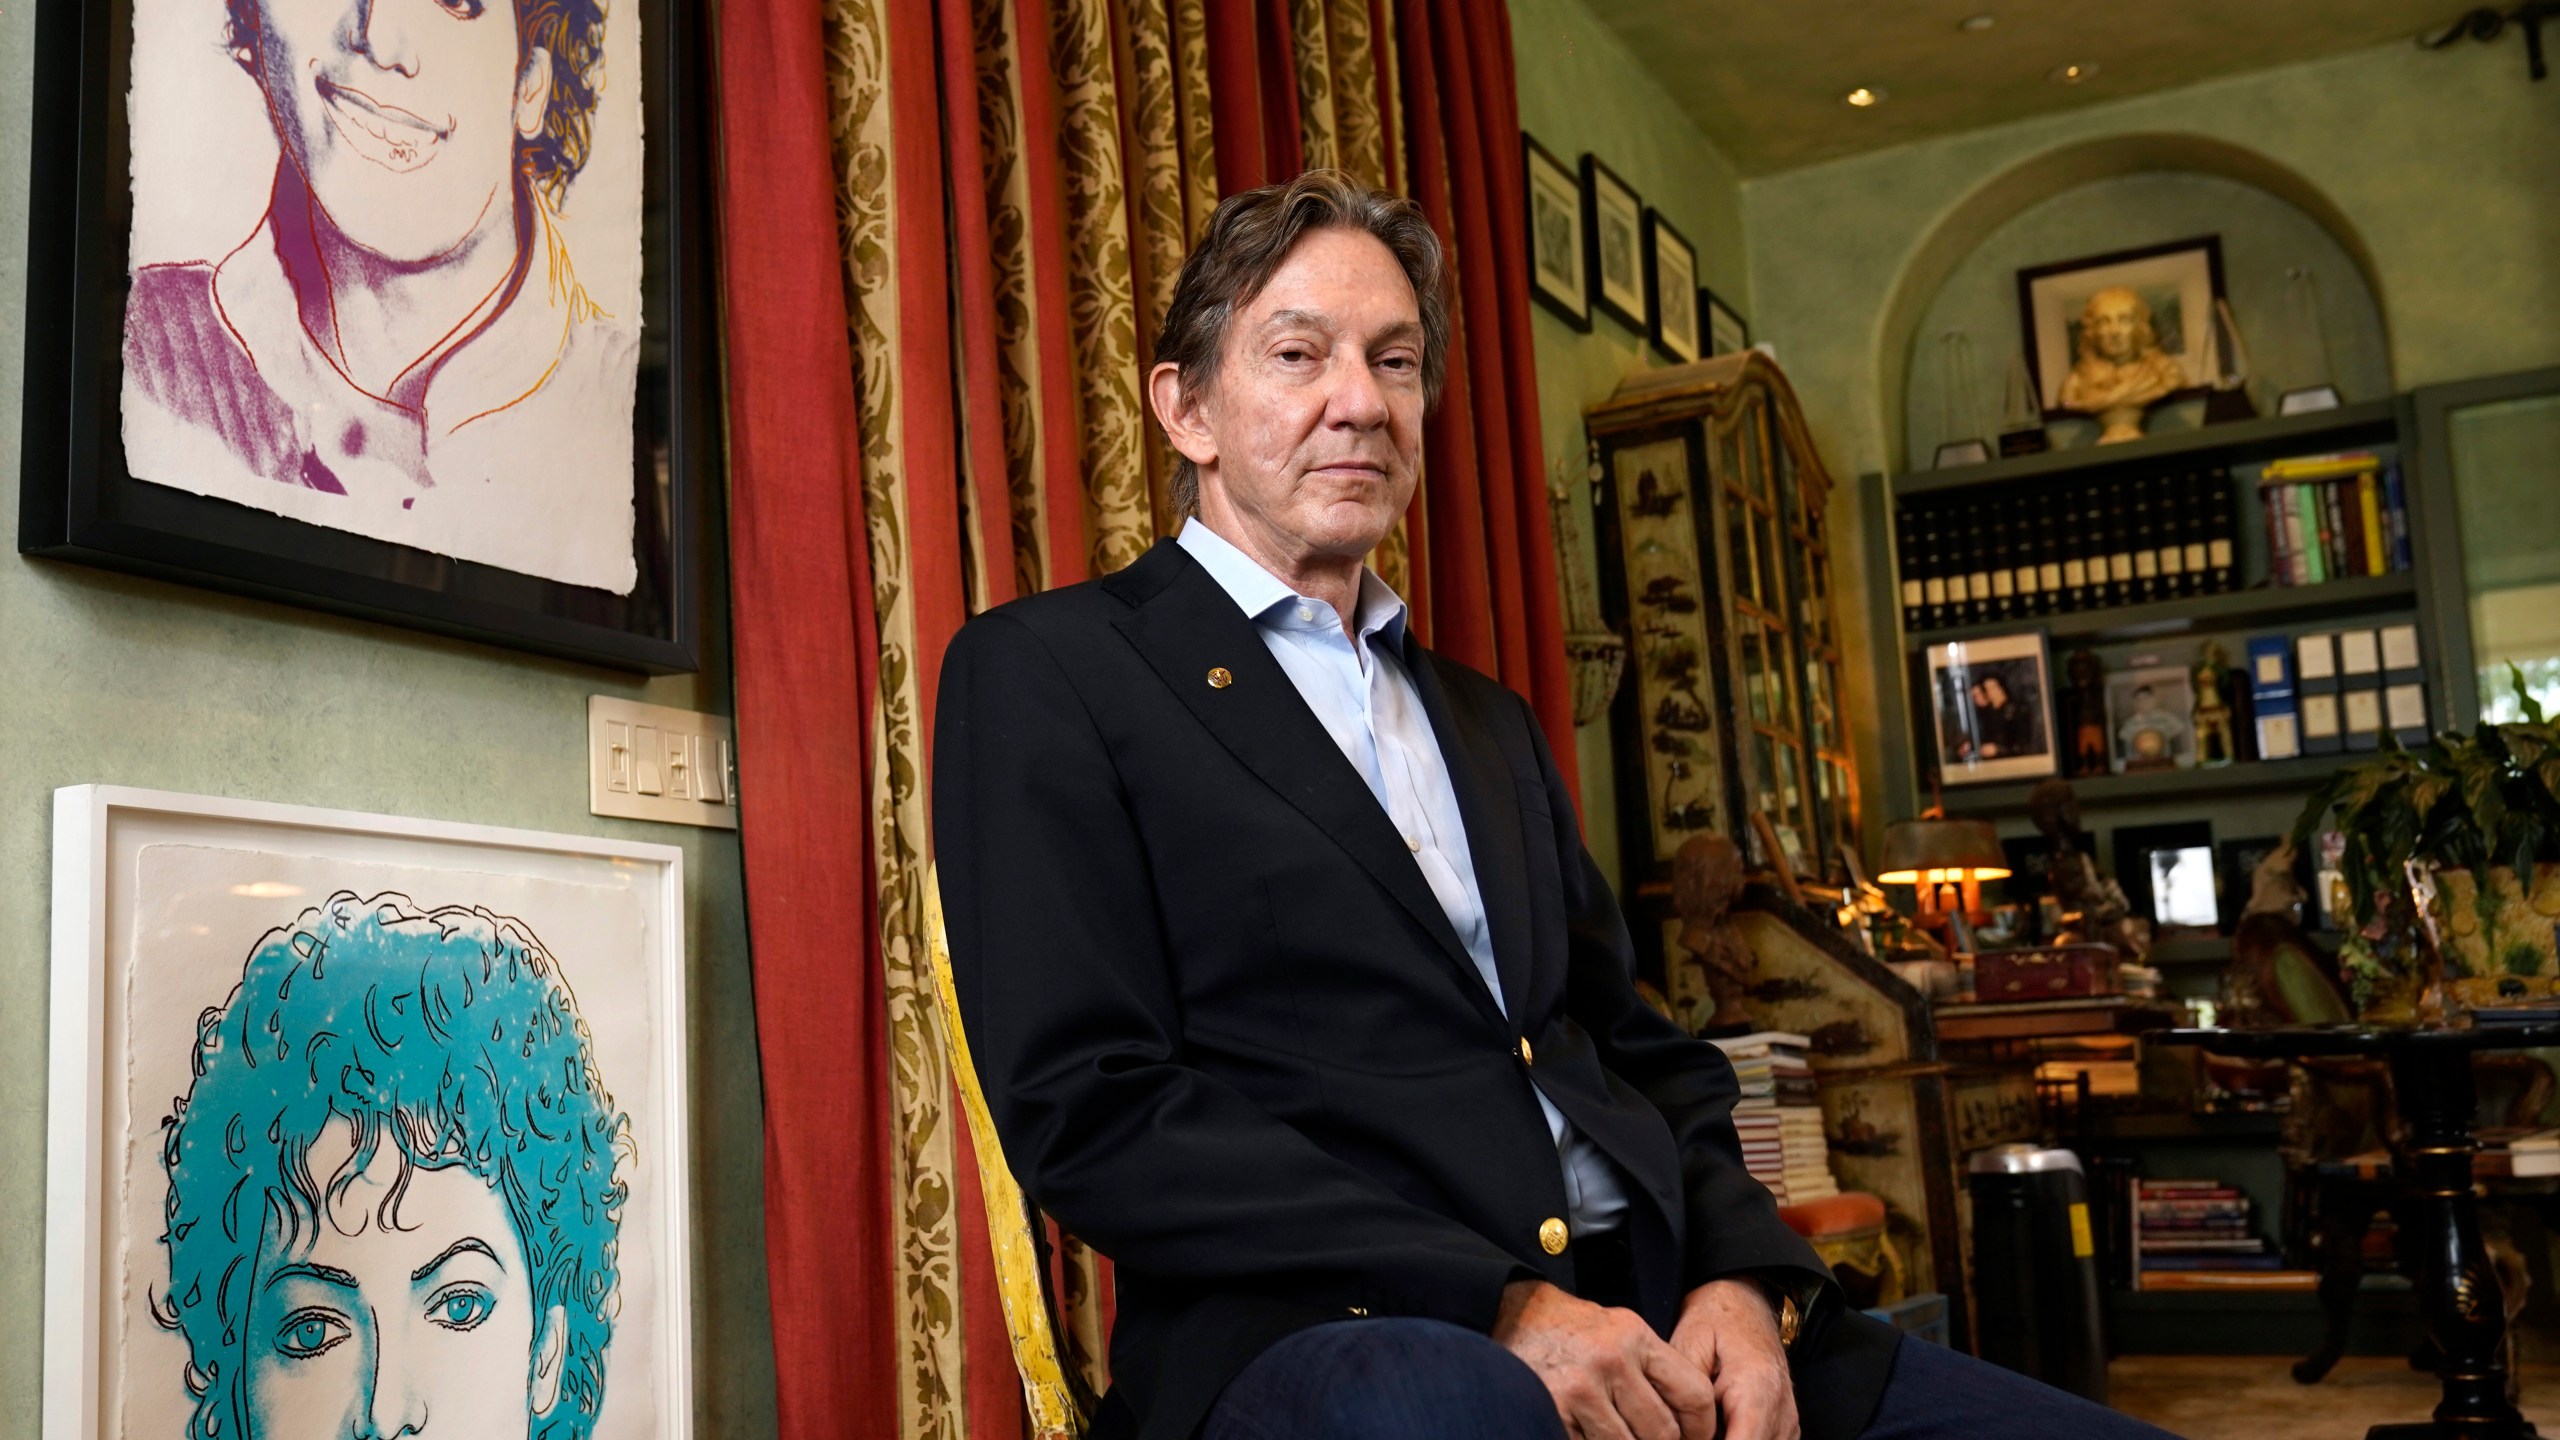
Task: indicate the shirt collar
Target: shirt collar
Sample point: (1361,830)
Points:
(1258,592)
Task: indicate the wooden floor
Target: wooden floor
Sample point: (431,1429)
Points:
(2250,1397)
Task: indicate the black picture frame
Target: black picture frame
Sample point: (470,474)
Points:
(1663,246)
(2207,248)
(1721,328)
(2133,845)
(1607,202)
(1572,303)
(2236,862)
(79,502)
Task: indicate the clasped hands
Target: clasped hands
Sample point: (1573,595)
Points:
(1612,1378)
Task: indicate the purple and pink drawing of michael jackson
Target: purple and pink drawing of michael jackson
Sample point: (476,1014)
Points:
(404,327)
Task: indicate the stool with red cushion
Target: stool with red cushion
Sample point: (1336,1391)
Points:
(1848,1231)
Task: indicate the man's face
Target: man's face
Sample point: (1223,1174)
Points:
(1992,693)
(402,115)
(407,1313)
(1311,433)
(2113,321)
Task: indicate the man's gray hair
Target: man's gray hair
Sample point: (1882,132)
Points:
(1250,237)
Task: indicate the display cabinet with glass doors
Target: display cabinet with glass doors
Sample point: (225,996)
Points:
(1715,562)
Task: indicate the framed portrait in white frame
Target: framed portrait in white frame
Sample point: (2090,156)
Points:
(1993,703)
(355,1110)
(1556,252)
(1671,289)
(1613,228)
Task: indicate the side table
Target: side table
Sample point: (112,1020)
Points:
(2458,1287)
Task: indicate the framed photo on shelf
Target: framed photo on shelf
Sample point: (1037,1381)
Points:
(2167,874)
(1613,231)
(1671,288)
(2098,323)
(2150,719)
(1727,333)
(480,1099)
(1556,251)
(1993,702)
(362,364)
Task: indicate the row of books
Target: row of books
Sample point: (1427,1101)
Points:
(2188,1229)
(2333,517)
(2055,547)
(1778,1117)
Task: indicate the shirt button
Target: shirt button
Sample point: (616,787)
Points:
(1305,613)
(1413,845)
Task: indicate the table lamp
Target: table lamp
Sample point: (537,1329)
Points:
(1942,856)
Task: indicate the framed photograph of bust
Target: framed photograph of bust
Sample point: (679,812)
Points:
(1993,702)
(2108,336)
(423,338)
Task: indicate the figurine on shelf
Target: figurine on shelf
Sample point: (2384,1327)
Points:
(2084,711)
(2094,909)
(2214,746)
(2275,977)
(2121,370)
(1708,980)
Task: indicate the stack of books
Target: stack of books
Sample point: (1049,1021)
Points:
(2527,1154)
(1779,1117)
(2194,1234)
(2333,517)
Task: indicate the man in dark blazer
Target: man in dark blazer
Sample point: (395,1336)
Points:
(1292,988)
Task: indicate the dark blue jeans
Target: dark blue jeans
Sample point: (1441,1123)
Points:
(1427,1380)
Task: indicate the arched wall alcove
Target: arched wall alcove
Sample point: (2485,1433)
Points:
(1903,337)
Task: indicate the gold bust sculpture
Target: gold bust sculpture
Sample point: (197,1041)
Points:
(2121,368)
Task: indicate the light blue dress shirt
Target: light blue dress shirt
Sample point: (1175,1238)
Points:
(1367,703)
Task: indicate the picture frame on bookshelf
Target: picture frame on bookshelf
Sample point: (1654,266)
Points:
(2151,719)
(1557,254)
(2177,284)
(1613,234)
(1727,333)
(1671,289)
(1993,703)
(2167,874)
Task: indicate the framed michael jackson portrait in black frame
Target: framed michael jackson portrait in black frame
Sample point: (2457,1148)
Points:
(399,311)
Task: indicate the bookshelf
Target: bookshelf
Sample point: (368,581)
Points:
(2255,796)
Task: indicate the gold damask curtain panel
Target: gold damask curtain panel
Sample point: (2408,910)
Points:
(949,227)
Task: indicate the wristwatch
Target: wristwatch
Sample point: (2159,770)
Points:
(1791,1310)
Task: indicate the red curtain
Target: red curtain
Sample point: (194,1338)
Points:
(807,658)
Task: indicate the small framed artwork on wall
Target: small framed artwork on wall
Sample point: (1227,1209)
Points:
(1613,232)
(1556,253)
(1727,332)
(1671,288)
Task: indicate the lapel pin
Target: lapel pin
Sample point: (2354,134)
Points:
(1220,677)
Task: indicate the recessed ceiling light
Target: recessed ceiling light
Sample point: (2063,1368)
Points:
(1976,24)
(2073,74)
(1864,96)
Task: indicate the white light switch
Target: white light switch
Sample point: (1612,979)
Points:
(650,762)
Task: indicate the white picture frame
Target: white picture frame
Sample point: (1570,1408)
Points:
(1992,700)
(590,952)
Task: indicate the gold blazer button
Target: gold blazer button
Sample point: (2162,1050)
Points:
(1220,677)
(1527,1055)
(1551,1235)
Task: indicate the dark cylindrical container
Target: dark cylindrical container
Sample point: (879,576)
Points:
(2035,1268)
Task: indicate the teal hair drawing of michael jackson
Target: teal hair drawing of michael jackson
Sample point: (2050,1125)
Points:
(396,1185)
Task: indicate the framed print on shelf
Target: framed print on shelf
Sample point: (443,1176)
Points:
(2150,718)
(1613,232)
(1556,252)
(303,339)
(1727,333)
(384,1065)
(2138,321)
(1993,701)
(1671,289)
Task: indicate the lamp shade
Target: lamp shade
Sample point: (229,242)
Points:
(1942,850)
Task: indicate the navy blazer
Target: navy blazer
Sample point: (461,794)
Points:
(1230,1039)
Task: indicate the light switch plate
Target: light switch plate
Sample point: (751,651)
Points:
(649,762)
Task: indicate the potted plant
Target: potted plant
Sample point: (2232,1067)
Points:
(2452,859)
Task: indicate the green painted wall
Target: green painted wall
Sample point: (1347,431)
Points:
(1582,91)
(110,679)
(2442,164)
